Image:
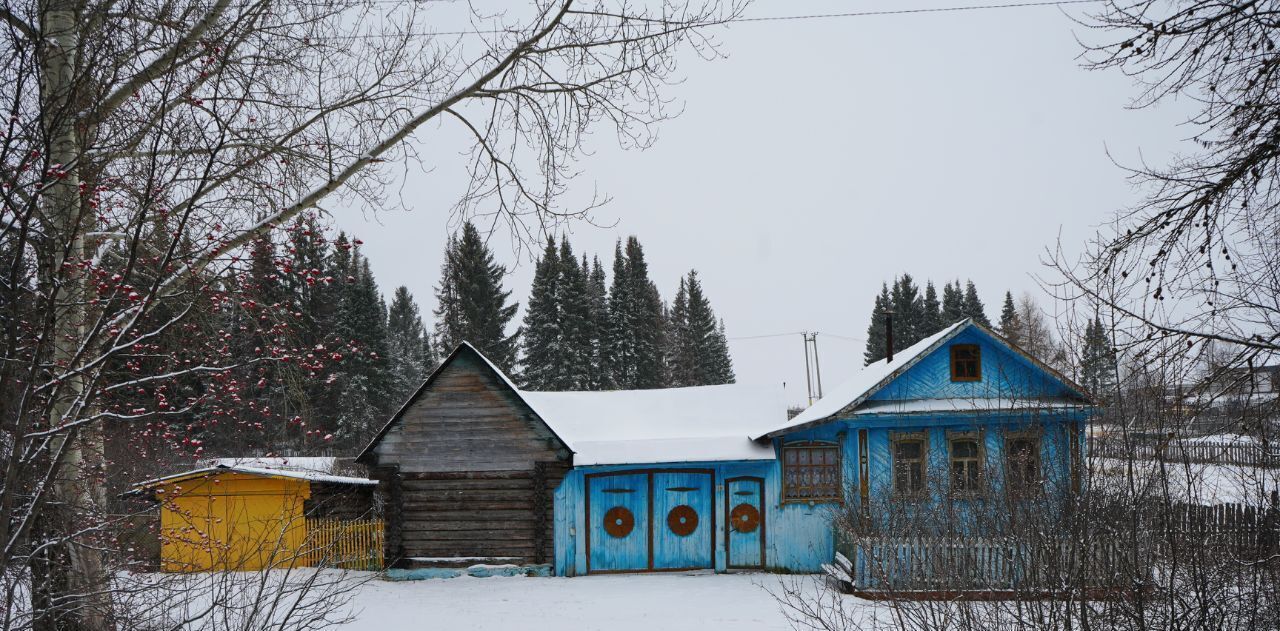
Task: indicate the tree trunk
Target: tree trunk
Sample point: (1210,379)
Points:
(77,490)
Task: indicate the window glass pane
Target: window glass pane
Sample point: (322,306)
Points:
(811,472)
(964,449)
(909,449)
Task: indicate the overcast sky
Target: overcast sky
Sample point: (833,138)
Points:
(822,158)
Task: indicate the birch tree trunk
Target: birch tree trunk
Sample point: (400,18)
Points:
(149,143)
(77,460)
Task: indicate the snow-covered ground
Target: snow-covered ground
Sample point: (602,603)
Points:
(1198,483)
(649,602)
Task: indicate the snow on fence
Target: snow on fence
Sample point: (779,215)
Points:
(897,564)
(354,544)
(1244,454)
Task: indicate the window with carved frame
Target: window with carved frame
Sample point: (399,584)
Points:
(968,462)
(910,451)
(1022,462)
(810,472)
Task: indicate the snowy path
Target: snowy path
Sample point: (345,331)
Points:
(651,602)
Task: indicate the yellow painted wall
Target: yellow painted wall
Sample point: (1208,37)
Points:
(232,521)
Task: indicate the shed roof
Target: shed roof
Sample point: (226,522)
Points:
(696,424)
(225,465)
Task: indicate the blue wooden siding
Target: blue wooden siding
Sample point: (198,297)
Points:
(610,553)
(671,491)
(745,546)
(798,536)
(1005,374)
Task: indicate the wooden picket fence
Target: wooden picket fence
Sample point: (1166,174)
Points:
(1243,528)
(1209,453)
(352,544)
(881,564)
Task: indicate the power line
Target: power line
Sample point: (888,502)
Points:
(743,20)
(760,337)
(859,14)
(768,335)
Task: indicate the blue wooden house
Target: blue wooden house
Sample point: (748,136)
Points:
(713,477)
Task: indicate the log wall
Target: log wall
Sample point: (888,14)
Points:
(468,470)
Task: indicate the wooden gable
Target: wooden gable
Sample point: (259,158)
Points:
(466,417)
(1004,374)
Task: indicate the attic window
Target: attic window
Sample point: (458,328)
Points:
(810,472)
(966,362)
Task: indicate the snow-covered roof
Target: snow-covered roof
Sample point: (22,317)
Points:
(704,423)
(315,464)
(922,406)
(867,380)
(231,465)
(853,393)
(697,424)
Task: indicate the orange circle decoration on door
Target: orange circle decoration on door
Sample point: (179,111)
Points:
(618,522)
(745,518)
(682,520)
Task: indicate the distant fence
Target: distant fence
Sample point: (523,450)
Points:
(892,565)
(352,544)
(1246,529)
(1208,453)
(897,564)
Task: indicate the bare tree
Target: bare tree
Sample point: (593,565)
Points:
(1197,258)
(147,143)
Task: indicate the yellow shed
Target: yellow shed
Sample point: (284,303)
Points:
(239,518)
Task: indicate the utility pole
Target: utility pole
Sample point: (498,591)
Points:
(812,367)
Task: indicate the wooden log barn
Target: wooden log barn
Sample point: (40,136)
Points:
(474,470)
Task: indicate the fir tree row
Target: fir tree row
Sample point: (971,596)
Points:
(917,316)
(577,335)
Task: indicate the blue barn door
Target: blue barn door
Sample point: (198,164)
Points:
(683,520)
(744,530)
(618,523)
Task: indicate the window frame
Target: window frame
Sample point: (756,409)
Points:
(979,462)
(1024,488)
(896,438)
(976,359)
(812,445)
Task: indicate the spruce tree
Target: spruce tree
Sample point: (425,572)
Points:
(542,346)
(363,381)
(1098,372)
(699,353)
(682,358)
(931,312)
(620,346)
(907,312)
(574,300)
(720,369)
(1010,325)
(952,303)
(705,335)
(973,307)
(650,320)
(408,345)
(877,344)
(471,303)
(636,322)
(598,299)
